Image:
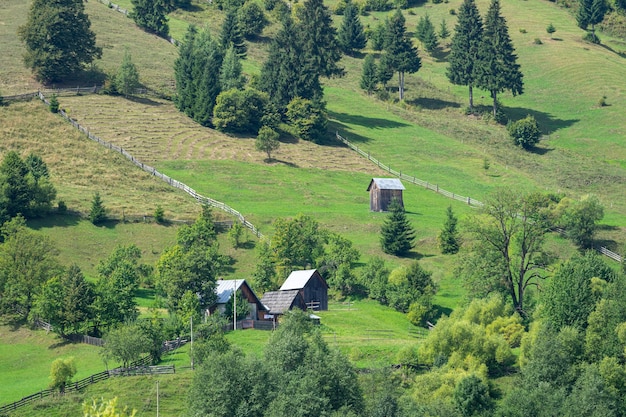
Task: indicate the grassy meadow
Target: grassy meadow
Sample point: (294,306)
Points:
(428,136)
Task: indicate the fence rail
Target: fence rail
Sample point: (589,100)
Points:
(151,170)
(434,187)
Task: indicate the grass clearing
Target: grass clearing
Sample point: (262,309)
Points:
(26,357)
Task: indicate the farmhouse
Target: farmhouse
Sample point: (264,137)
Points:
(383,191)
(224,290)
(311,286)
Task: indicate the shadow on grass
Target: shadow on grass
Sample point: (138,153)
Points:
(60,343)
(55,220)
(439,55)
(548,124)
(539,150)
(440,311)
(248,244)
(143,100)
(621,54)
(433,103)
(280,161)
(371,122)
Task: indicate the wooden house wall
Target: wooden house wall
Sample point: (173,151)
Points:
(381,199)
(316,291)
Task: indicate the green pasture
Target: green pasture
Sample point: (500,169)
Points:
(136,392)
(26,357)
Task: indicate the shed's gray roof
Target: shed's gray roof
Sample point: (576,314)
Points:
(277,302)
(297,279)
(386,184)
(224,289)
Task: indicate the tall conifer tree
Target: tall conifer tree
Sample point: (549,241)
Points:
(397,234)
(399,50)
(230,73)
(207,63)
(351,34)
(369,78)
(497,69)
(151,15)
(284,76)
(183,72)
(465,48)
(232,35)
(319,38)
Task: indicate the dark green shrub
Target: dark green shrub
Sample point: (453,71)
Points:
(525,132)
(61,207)
(159,214)
(54,104)
(537,41)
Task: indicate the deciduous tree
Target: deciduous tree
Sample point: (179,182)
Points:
(58,39)
(580,220)
(125,343)
(61,373)
(267,141)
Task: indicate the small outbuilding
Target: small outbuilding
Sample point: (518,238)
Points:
(224,290)
(383,191)
(279,302)
(311,286)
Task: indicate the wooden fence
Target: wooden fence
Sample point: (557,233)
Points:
(434,187)
(172,182)
(114,6)
(412,179)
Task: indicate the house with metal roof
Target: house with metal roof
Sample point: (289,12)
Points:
(224,289)
(311,286)
(383,191)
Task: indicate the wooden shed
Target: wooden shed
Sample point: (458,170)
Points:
(279,302)
(311,286)
(383,191)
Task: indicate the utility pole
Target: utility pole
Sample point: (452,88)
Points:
(157,397)
(235,306)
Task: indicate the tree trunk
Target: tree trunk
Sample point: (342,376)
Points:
(471,98)
(494,94)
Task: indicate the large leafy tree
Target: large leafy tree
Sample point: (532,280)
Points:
(580,220)
(191,265)
(351,35)
(399,50)
(125,343)
(58,39)
(151,15)
(397,234)
(27,261)
(465,48)
(127,77)
(569,297)
(510,230)
(66,301)
(497,69)
(296,242)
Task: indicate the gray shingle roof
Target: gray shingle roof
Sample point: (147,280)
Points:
(387,184)
(297,279)
(277,302)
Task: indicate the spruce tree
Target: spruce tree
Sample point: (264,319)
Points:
(127,77)
(183,73)
(464,49)
(58,39)
(399,50)
(443,30)
(98,212)
(232,35)
(397,234)
(449,236)
(252,19)
(230,73)
(497,69)
(150,15)
(351,35)
(207,63)
(369,78)
(591,12)
(424,27)
(319,36)
(284,76)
